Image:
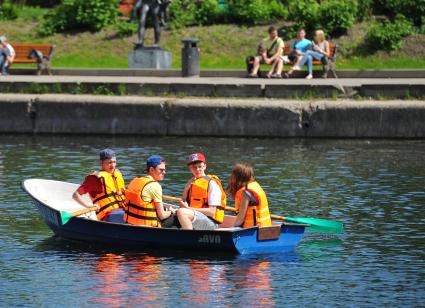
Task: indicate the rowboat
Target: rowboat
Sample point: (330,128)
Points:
(54,198)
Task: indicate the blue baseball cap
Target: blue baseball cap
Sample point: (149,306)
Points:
(153,161)
(107,154)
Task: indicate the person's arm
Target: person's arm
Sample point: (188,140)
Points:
(79,199)
(214,199)
(161,212)
(327,51)
(154,190)
(91,184)
(240,218)
(278,53)
(184,203)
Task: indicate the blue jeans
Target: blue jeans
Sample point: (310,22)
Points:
(308,58)
(3,67)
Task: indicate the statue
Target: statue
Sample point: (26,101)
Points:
(150,57)
(158,10)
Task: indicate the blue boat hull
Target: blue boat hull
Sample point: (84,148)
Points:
(226,240)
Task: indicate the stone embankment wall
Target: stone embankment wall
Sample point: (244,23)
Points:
(86,114)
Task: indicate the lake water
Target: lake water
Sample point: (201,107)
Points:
(376,187)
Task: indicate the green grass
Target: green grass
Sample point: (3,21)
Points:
(221,46)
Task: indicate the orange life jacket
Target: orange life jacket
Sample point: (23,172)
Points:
(138,211)
(257,213)
(112,195)
(197,196)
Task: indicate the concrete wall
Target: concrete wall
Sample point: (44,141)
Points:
(85,114)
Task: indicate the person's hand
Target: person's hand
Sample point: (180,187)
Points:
(184,204)
(267,61)
(96,206)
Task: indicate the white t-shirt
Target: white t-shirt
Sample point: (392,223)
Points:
(11,50)
(214,194)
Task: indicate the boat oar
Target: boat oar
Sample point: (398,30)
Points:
(169,198)
(66,216)
(315,224)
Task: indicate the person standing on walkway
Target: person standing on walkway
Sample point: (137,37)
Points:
(105,187)
(204,199)
(251,202)
(269,52)
(144,196)
(7,55)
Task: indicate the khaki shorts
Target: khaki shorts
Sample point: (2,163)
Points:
(203,222)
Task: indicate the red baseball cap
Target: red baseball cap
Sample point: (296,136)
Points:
(196,157)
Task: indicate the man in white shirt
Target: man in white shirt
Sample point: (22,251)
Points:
(203,198)
(7,55)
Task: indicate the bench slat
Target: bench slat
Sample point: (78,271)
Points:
(23,49)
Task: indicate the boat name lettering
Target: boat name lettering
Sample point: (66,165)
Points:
(210,239)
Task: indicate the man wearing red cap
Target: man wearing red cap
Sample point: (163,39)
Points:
(105,187)
(204,199)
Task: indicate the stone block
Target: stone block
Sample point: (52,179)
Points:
(149,57)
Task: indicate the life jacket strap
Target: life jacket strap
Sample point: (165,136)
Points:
(141,208)
(142,217)
(108,205)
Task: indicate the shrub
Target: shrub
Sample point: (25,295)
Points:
(411,9)
(364,9)
(90,15)
(388,35)
(8,11)
(337,16)
(43,3)
(206,12)
(305,13)
(248,11)
(125,28)
(182,12)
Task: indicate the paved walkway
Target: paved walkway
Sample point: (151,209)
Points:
(217,86)
(351,82)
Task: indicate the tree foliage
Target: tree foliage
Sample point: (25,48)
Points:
(387,35)
(90,15)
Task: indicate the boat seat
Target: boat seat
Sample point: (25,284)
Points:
(228,229)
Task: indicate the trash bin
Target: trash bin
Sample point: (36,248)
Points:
(190,57)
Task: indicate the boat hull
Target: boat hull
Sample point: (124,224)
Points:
(227,240)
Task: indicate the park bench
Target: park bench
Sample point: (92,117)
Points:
(35,53)
(329,67)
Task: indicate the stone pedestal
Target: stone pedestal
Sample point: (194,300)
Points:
(149,57)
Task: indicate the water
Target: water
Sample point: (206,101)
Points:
(376,187)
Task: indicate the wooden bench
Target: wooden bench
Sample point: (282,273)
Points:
(329,67)
(35,53)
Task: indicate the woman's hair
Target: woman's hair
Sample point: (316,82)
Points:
(241,175)
(319,35)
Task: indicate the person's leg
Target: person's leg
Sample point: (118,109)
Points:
(142,24)
(2,64)
(272,69)
(256,67)
(315,55)
(156,26)
(185,217)
(309,65)
(297,66)
(279,67)
(202,222)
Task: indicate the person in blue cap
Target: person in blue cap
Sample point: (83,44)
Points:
(144,196)
(105,187)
